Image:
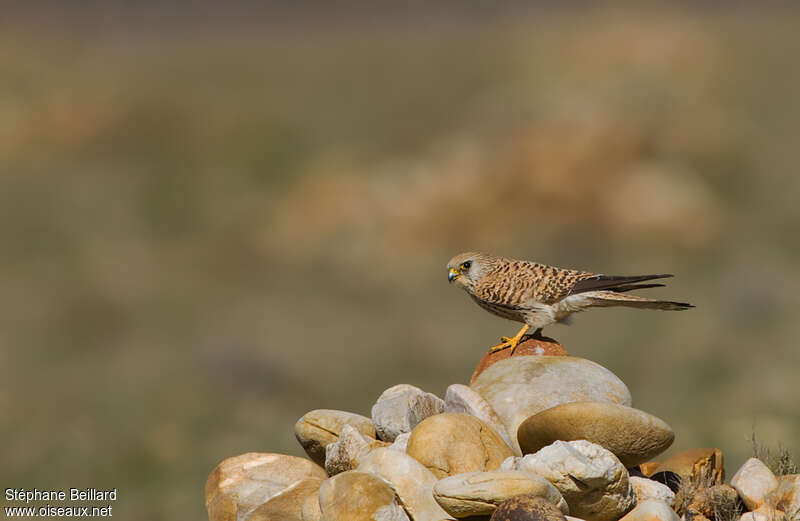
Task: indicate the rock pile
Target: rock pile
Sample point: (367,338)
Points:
(537,435)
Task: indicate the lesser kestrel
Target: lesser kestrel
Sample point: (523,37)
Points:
(538,295)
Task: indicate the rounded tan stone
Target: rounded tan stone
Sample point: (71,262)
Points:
(527,507)
(358,496)
(288,505)
(521,386)
(479,493)
(633,436)
(452,443)
(461,398)
(240,484)
(310,510)
(412,482)
(316,429)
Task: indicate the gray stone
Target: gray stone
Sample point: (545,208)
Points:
(648,489)
(400,442)
(592,480)
(344,453)
(754,482)
(400,408)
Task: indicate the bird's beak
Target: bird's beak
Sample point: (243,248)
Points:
(452,275)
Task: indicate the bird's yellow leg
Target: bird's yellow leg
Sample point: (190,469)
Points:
(510,342)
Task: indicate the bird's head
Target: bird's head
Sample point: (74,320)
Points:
(465,269)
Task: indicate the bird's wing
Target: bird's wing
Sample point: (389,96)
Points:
(517,283)
(558,283)
(574,282)
(614,283)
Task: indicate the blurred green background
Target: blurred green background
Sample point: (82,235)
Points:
(214,219)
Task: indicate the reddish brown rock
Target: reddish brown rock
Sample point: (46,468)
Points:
(532,346)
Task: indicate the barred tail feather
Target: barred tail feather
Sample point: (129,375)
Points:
(611,298)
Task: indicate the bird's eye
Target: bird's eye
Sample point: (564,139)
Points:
(466,265)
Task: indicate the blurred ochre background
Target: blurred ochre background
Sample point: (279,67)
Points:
(214,219)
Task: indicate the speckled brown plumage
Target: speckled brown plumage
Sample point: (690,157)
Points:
(538,295)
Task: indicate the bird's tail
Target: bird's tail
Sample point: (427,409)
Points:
(615,298)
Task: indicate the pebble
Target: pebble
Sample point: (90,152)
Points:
(310,510)
(240,484)
(521,386)
(590,478)
(787,496)
(634,436)
(754,481)
(479,493)
(344,453)
(651,510)
(453,443)
(400,442)
(288,505)
(316,429)
(359,496)
(461,398)
(764,513)
(645,488)
(527,508)
(412,482)
(400,408)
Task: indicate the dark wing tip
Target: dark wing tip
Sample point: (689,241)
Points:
(610,282)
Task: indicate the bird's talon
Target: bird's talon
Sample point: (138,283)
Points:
(500,347)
